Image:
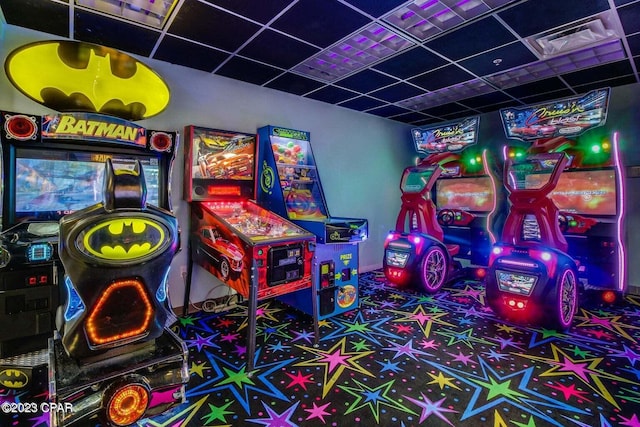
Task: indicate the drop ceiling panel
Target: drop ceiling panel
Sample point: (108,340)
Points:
(416,61)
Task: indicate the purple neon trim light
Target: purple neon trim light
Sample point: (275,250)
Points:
(492,237)
(517,263)
(622,265)
(428,4)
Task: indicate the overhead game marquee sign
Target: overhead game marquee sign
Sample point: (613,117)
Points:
(567,117)
(92,127)
(451,137)
(84,128)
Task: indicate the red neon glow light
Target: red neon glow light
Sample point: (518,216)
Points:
(128,405)
(123,303)
(232,190)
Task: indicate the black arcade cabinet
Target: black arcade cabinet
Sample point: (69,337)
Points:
(52,165)
(114,359)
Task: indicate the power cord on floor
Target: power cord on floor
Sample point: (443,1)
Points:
(216,306)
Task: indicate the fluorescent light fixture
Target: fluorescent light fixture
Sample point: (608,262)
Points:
(427,18)
(153,13)
(446,95)
(597,29)
(349,55)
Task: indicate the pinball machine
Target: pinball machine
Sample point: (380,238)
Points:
(289,184)
(247,247)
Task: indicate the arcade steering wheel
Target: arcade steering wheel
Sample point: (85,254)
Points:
(446,217)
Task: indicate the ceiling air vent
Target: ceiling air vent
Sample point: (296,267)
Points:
(594,31)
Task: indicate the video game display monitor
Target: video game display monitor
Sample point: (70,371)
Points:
(466,194)
(50,184)
(584,192)
(416,180)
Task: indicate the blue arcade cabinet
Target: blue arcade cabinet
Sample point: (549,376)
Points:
(289,184)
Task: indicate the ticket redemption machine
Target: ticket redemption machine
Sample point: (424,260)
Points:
(289,185)
(252,250)
(564,231)
(444,229)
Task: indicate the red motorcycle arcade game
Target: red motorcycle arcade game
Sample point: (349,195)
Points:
(563,232)
(432,240)
(250,249)
(290,186)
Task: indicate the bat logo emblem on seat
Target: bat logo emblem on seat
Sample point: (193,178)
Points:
(126,239)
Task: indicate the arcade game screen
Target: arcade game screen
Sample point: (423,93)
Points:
(50,184)
(582,192)
(466,194)
(416,180)
(298,178)
(532,173)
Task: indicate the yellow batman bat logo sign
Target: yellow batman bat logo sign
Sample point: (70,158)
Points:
(123,239)
(13,378)
(76,76)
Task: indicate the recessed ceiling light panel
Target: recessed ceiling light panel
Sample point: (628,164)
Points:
(427,18)
(370,45)
(446,95)
(153,13)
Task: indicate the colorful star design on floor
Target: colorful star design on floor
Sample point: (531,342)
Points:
(407,359)
(334,361)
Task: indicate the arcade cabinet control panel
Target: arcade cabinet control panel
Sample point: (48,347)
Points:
(29,296)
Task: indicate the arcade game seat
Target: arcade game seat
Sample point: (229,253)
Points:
(531,277)
(115,359)
(419,254)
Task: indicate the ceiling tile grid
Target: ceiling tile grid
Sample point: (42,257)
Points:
(413,61)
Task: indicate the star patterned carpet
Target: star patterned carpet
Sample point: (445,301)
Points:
(409,359)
